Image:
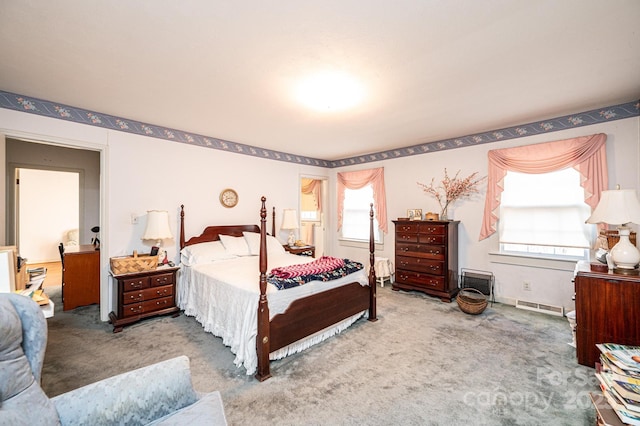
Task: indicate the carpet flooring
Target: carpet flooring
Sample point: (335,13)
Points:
(423,363)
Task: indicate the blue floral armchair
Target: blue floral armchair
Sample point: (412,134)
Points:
(160,394)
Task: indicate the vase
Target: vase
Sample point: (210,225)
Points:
(443,214)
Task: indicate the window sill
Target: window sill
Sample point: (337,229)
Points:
(359,244)
(532,261)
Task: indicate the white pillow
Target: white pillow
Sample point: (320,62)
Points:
(235,245)
(204,253)
(253,240)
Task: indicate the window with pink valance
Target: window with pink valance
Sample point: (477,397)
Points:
(586,154)
(359,179)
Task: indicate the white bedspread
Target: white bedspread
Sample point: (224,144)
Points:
(223,297)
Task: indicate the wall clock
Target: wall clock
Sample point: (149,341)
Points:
(229,198)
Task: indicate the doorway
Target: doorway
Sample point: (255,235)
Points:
(48,212)
(313,205)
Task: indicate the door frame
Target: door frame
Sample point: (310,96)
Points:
(105,289)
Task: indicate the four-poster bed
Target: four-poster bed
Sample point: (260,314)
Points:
(269,323)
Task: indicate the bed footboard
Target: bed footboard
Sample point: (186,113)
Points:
(311,314)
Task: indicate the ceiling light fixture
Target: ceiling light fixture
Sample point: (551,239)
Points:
(330,91)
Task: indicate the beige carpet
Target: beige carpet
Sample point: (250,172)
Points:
(423,363)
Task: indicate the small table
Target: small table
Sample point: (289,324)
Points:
(301,250)
(144,294)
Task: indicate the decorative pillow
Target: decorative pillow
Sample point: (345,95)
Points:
(253,240)
(204,253)
(235,245)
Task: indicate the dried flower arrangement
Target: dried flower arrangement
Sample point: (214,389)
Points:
(452,189)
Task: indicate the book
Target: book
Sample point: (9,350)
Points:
(606,384)
(625,415)
(627,390)
(619,373)
(623,356)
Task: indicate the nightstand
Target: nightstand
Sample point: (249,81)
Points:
(144,294)
(301,251)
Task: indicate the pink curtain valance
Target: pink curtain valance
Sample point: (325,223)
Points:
(359,179)
(586,154)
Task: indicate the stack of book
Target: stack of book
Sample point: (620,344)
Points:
(619,374)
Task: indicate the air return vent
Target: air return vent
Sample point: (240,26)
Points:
(540,307)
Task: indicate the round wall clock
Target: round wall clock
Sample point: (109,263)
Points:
(228,197)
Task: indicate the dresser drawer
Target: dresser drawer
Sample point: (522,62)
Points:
(431,239)
(419,279)
(147,294)
(135,283)
(147,306)
(432,229)
(420,250)
(411,228)
(161,279)
(406,237)
(419,264)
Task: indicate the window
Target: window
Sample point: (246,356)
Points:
(545,214)
(365,187)
(355,220)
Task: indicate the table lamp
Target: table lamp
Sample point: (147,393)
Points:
(290,222)
(158,229)
(620,207)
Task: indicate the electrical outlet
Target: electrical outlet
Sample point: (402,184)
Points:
(526,285)
(134,219)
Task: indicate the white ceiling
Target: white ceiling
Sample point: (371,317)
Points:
(431,69)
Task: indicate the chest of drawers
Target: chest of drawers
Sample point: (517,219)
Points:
(426,256)
(144,294)
(607,306)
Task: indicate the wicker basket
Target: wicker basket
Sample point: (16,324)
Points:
(613,237)
(133,264)
(471,301)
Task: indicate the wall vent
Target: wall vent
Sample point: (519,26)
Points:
(540,307)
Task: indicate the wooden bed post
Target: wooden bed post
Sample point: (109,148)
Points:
(262,339)
(181,226)
(372,270)
(273,222)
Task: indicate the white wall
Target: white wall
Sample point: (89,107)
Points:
(142,173)
(49,208)
(549,285)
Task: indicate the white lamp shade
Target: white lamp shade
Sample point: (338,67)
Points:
(289,219)
(617,207)
(157,225)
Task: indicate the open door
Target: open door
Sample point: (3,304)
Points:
(313,202)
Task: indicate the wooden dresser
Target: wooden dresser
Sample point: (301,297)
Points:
(607,311)
(80,276)
(427,257)
(144,294)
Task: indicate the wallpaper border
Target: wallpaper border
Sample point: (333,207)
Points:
(60,111)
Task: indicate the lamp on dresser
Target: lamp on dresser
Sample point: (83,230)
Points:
(620,207)
(290,223)
(158,229)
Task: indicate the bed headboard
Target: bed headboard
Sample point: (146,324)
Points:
(212,233)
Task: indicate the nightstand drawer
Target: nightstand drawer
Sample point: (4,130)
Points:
(147,294)
(135,283)
(161,279)
(147,306)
